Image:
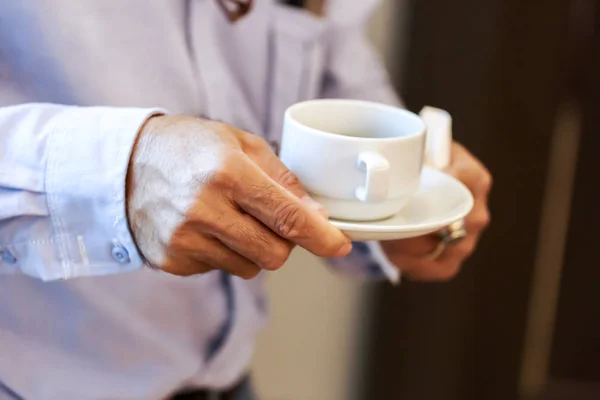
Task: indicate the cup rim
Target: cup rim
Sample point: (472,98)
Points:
(421,132)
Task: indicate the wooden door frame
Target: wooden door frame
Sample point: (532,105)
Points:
(498,67)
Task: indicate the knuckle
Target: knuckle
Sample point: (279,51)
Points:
(289,220)
(465,249)
(220,178)
(288,179)
(277,258)
(179,240)
(273,262)
(243,228)
(486,180)
(185,267)
(220,256)
(255,142)
(481,220)
(470,247)
(181,272)
(486,218)
(226,172)
(201,268)
(209,223)
(447,272)
(249,273)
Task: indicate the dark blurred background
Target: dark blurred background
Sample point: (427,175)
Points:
(522,321)
(522,81)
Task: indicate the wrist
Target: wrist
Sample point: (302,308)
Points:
(140,139)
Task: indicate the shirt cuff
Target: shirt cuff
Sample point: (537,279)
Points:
(367,260)
(387,267)
(87,160)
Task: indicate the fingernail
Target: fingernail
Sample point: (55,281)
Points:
(345,250)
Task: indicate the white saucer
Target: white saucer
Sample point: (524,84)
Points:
(440,201)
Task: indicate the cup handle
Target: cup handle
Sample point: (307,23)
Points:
(377,170)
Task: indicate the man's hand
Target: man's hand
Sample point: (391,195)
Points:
(411,255)
(203,195)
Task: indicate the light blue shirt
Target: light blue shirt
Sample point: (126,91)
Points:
(80,316)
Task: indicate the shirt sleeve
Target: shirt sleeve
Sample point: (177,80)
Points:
(62,190)
(354,68)
(355,71)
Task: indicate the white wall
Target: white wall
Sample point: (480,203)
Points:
(312,347)
(308,350)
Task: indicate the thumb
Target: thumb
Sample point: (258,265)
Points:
(314,205)
(276,170)
(290,181)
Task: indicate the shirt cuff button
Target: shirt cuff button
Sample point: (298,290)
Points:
(7,256)
(120,253)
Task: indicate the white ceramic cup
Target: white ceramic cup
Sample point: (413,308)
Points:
(362,161)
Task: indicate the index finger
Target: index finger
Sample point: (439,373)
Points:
(277,171)
(264,156)
(287,215)
(469,170)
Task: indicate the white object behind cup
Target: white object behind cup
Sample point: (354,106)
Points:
(439,137)
(361,160)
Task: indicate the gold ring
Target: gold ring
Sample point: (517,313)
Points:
(449,236)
